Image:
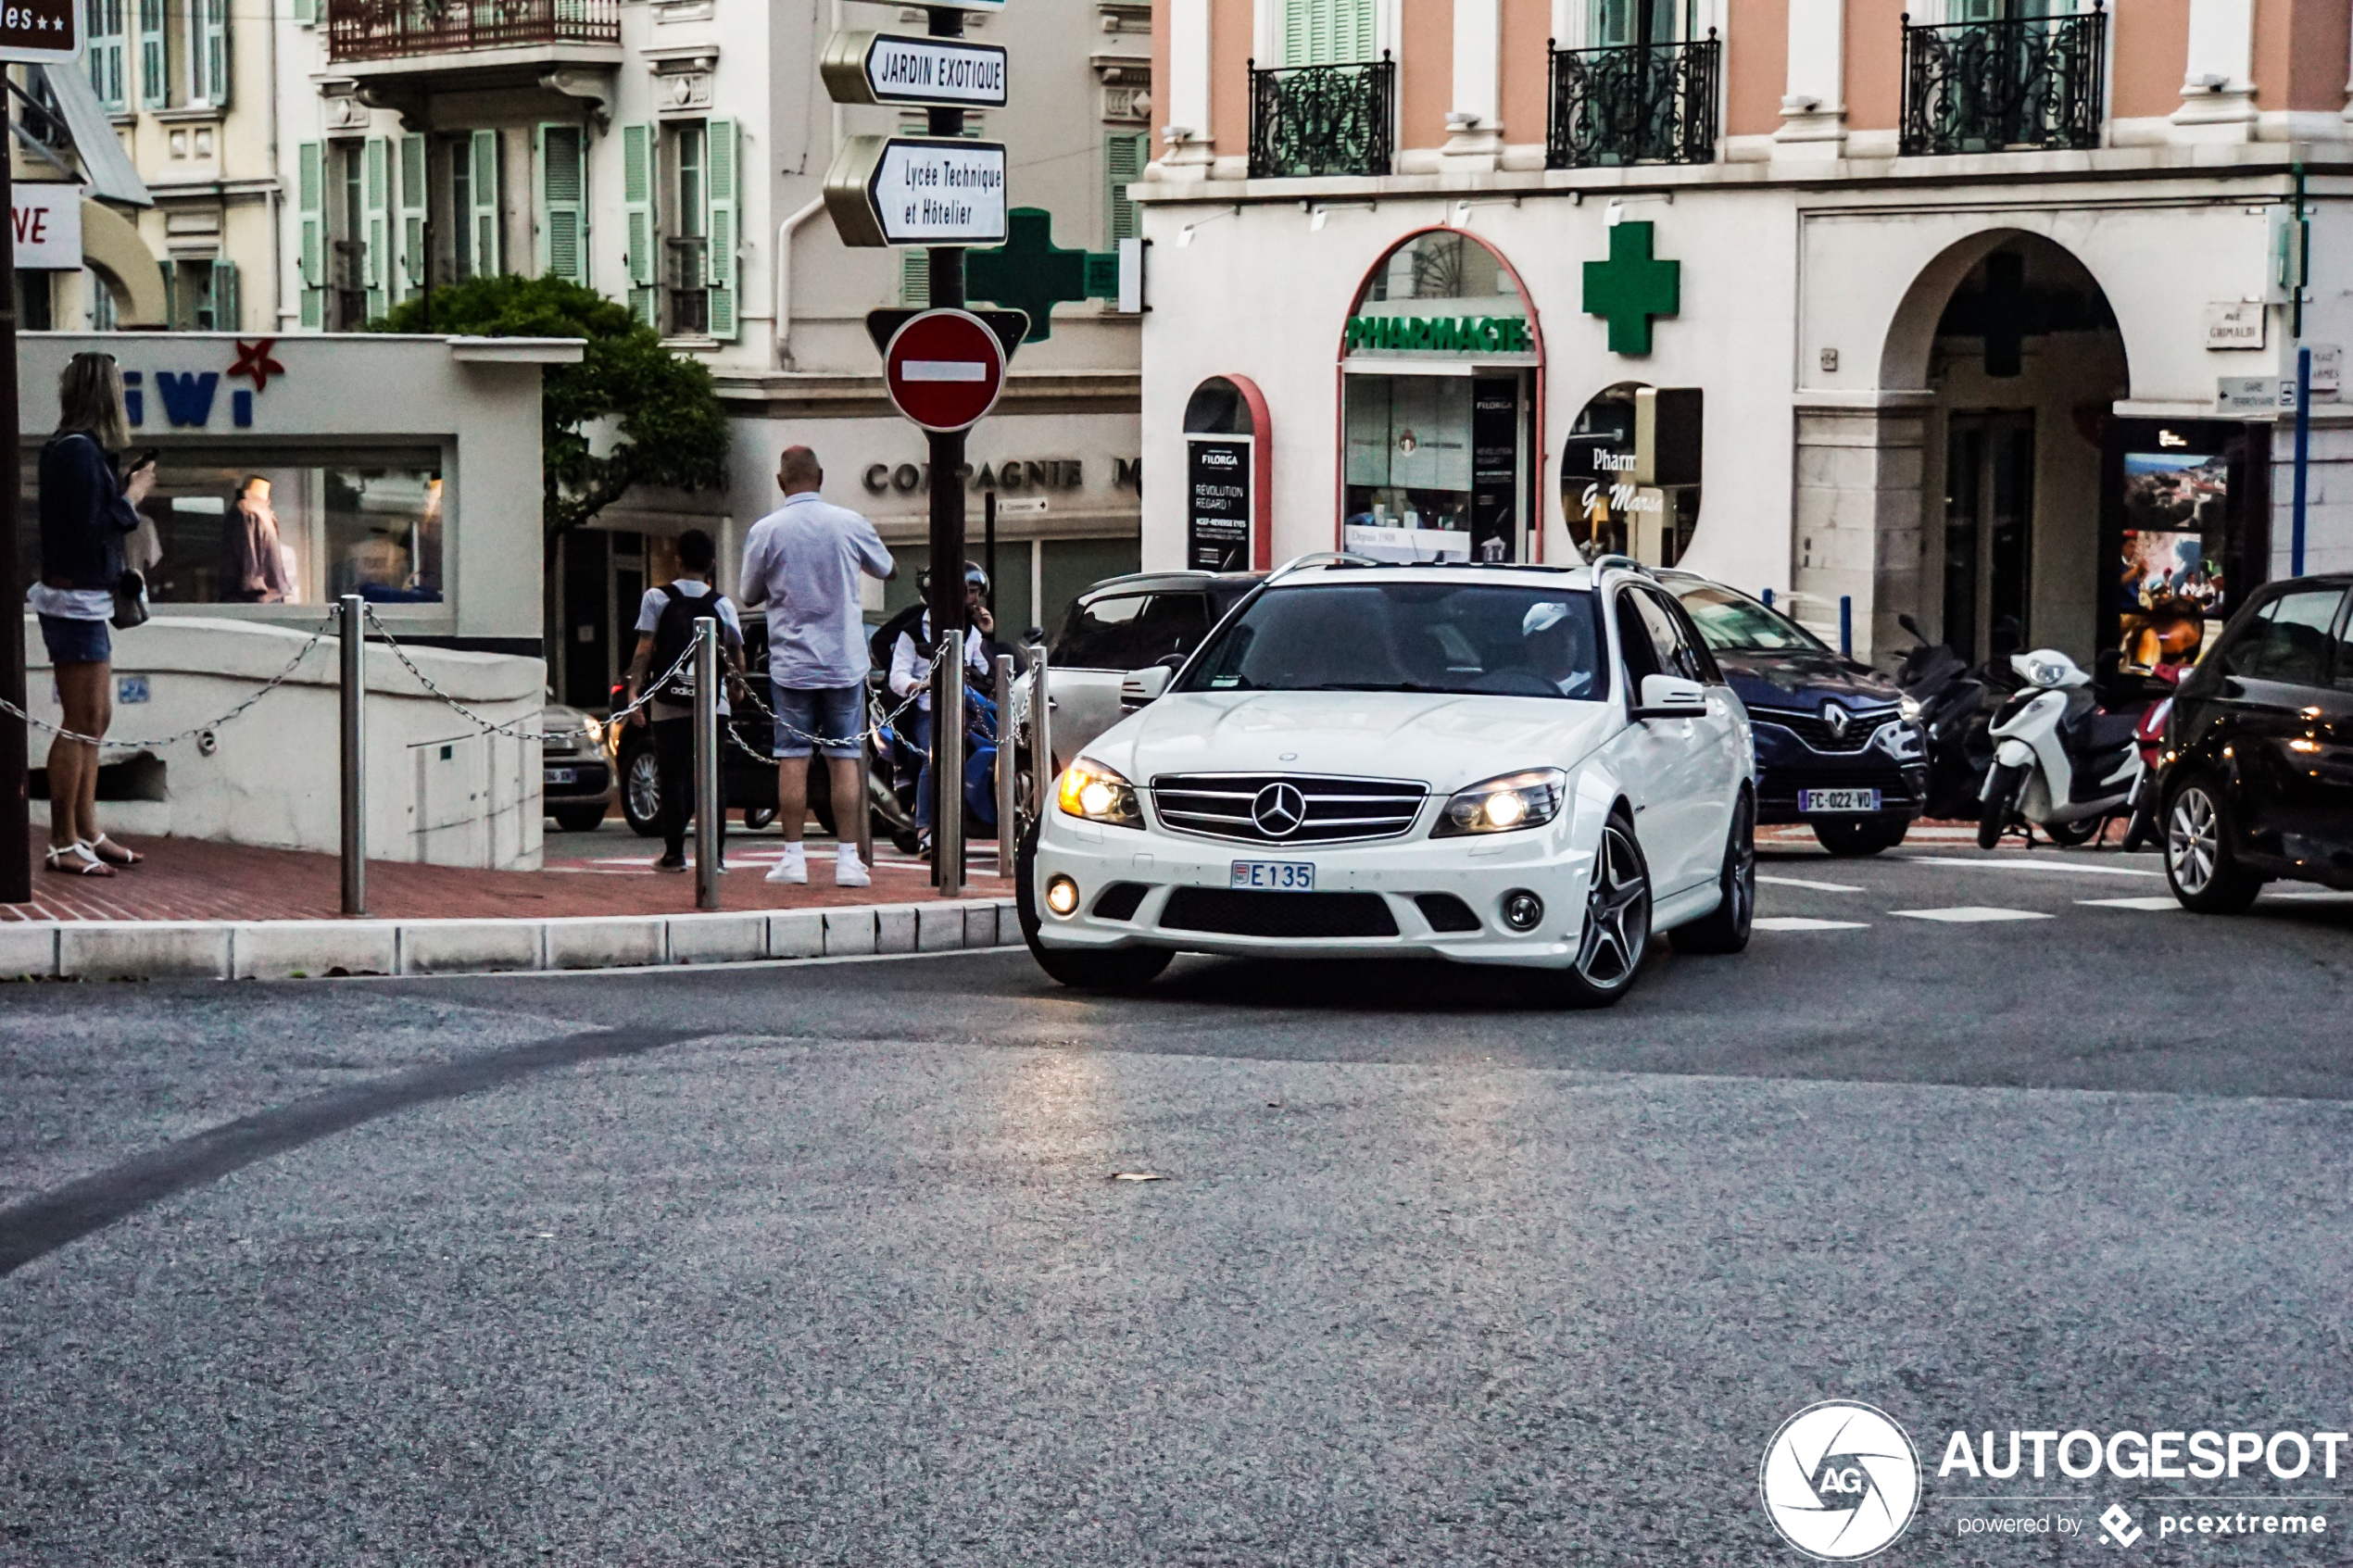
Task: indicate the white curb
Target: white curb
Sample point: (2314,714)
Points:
(281,949)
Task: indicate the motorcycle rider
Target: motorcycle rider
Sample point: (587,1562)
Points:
(910,674)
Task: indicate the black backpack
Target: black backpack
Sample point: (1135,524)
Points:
(675,633)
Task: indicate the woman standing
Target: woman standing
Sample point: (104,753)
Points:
(87,514)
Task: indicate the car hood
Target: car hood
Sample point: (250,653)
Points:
(1802,679)
(1444,741)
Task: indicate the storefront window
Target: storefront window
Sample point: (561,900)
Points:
(226,526)
(1441,359)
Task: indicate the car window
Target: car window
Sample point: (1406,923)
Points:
(1676,655)
(1727,620)
(1101,634)
(1171,623)
(1634,643)
(2288,642)
(1473,638)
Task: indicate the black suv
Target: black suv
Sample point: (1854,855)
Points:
(2259,751)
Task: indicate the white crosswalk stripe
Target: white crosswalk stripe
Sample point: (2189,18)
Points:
(1991,863)
(1801,881)
(1799,923)
(2159,901)
(1969,914)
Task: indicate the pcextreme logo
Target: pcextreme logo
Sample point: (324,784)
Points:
(1840,1481)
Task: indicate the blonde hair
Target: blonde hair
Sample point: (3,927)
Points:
(90,399)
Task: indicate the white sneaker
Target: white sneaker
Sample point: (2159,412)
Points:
(850,871)
(793,867)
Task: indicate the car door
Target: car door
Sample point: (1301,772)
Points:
(1639,754)
(1695,785)
(2271,680)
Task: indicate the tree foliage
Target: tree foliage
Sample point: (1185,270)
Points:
(671,431)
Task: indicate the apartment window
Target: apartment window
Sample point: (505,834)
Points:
(183,52)
(465,205)
(687,247)
(1327,32)
(679,202)
(201,295)
(1124,153)
(1619,24)
(105,24)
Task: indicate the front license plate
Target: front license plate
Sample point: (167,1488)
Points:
(1274,876)
(1838,800)
(563,775)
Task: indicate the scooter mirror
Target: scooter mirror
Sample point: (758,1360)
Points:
(1912,626)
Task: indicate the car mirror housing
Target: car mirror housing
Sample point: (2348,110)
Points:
(1672,696)
(1139,687)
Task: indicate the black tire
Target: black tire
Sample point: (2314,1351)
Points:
(906,841)
(2140,828)
(1119,970)
(2075,834)
(1726,929)
(2002,785)
(578,819)
(1861,835)
(2201,857)
(641,791)
(1615,937)
(757,817)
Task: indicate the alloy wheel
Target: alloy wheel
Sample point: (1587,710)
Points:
(1617,913)
(2192,840)
(644,784)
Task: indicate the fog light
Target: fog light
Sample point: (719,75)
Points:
(1062,894)
(1522,910)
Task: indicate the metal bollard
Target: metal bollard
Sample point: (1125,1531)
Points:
(866,782)
(1008,821)
(355,755)
(948,777)
(1768,598)
(1041,736)
(709,815)
(1846,625)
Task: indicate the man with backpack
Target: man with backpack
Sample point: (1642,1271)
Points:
(666,618)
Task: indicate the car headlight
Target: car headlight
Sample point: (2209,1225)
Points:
(1909,707)
(1505,805)
(1092,791)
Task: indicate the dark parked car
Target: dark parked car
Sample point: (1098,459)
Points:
(2259,753)
(1838,747)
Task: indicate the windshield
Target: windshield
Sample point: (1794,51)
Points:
(1472,638)
(1733,621)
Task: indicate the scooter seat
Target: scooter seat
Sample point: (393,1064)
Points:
(2104,732)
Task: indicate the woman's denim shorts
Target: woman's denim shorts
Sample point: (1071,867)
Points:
(76,642)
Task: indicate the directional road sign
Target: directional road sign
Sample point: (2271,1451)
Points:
(887,67)
(917,191)
(944,369)
(41,29)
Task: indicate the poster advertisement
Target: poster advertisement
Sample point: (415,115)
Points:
(2171,572)
(1217,503)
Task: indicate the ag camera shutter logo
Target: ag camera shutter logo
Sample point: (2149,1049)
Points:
(1840,1481)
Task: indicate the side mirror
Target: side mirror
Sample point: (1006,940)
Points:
(1912,626)
(1035,634)
(1672,696)
(1139,687)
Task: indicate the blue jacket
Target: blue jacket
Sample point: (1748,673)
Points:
(84,515)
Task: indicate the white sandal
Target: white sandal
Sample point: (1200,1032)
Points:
(76,860)
(129,857)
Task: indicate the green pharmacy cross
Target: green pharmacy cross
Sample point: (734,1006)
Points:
(1028,274)
(1632,287)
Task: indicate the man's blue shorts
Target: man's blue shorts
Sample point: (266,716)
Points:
(73,641)
(832,713)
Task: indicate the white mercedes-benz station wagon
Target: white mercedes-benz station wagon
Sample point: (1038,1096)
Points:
(1526,766)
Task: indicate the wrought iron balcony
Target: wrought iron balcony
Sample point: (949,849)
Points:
(1323,120)
(1634,103)
(2004,86)
(385,29)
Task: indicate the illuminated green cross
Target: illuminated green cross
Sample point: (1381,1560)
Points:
(1632,287)
(1028,274)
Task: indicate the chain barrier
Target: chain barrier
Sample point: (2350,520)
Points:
(875,725)
(275,682)
(514,729)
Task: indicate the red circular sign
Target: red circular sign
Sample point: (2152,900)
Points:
(944,369)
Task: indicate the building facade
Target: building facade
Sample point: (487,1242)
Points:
(1975,314)
(670,154)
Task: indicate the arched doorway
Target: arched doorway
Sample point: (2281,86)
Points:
(1229,476)
(1440,371)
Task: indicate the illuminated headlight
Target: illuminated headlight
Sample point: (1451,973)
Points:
(1062,894)
(1909,707)
(1502,805)
(1092,791)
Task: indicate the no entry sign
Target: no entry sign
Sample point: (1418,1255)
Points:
(944,369)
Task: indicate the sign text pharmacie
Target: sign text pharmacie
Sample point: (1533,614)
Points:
(917,191)
(1445,334)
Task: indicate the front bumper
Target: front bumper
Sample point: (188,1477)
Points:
(590,780)
(1556,863)
(1785,765)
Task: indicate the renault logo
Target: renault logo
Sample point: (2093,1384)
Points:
(1278,809)
(1837,718)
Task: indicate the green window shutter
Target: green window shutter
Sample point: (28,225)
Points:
(376,197)
(1124,155)
(225,315)
(722,144)
(211,72)
(638,214)
(914,279)
(562,202)
(104,53)
(310,189)
(413,200)
(306,11)
(155,83)
(484,216)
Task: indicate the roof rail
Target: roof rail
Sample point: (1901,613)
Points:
(1319,558)
(1628,563)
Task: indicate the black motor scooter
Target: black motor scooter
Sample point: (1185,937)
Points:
(1952,712)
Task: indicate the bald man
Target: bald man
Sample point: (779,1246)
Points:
(803,560)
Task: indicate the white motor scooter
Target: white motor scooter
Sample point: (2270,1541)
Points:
(2059,763)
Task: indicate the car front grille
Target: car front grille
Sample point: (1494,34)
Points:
(1301,916)
(1862,723)
(1333,810)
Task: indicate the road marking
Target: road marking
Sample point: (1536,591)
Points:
(1992,864)
(1801,881)
(1969,914)
(2164,901)
(1798,923)
(2322,895)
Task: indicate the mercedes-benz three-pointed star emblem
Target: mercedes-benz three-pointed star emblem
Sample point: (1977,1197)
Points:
(1837,718)
(1278,809)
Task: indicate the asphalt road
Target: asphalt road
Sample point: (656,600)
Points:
(827,1263)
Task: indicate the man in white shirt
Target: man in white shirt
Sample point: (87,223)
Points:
(910,674)
(803,560)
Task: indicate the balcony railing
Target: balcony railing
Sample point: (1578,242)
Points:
(1634,103)
(2004,86)
(384,29)
(1323,120)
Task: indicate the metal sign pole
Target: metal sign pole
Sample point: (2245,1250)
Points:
(865,807)
(2303,459)
(948,779)
(947,279)
(1008,826)
(709,820)
(354,631)
(16,808)
(1041,736)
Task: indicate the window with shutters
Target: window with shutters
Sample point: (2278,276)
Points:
(106,23)
(1328,32)
(1124,153)
(561,218)
(345,215)
(183,52)
(686,237)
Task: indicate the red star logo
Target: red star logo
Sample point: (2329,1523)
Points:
(253,359)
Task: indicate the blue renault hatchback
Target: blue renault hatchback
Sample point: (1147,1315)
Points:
(1838,747)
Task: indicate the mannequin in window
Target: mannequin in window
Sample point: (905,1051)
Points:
(253,565)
